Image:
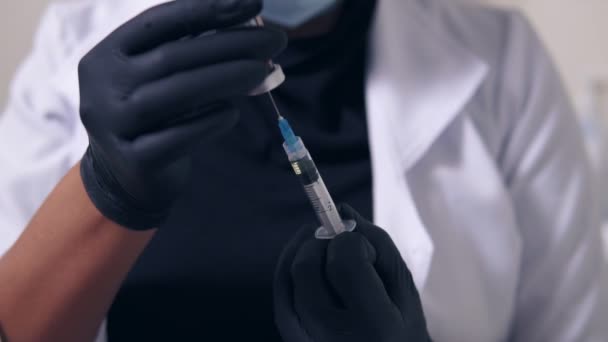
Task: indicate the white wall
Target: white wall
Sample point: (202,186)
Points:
(18,20)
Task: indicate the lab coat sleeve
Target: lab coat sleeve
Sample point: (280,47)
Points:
(561,292)
(36,131)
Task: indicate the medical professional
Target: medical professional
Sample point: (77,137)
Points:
(443,121)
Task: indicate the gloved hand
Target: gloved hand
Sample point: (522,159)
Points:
(355,287)
(154,89)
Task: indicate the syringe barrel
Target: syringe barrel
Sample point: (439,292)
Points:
(318,195)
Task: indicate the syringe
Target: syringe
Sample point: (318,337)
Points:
(306,170)
(301,162)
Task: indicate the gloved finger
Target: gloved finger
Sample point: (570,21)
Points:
(317,308)
(312,292)
(389,264)
(351,272)
(177,19)
(156,103)
(173,142)
(261,44)
(286,317)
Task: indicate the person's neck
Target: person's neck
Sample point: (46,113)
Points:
(317,26)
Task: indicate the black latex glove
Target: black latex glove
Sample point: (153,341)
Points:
(355,287)
(154,89)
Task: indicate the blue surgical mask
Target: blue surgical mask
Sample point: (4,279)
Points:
(293,13)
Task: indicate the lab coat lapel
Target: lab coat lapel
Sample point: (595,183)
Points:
(419,79)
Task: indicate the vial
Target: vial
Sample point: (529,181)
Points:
(275,76)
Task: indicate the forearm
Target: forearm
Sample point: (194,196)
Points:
(59,279)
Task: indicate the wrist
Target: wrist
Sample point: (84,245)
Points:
(113,201)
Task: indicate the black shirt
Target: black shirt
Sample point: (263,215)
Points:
(207,274)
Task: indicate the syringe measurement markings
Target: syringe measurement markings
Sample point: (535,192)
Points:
(314,199)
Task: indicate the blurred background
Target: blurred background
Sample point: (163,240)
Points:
(18,22)
(575,32)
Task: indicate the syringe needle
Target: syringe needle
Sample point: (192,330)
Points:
(274,104)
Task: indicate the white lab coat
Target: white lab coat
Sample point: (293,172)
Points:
(479,172)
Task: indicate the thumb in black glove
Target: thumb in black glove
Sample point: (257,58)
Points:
(355,287)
